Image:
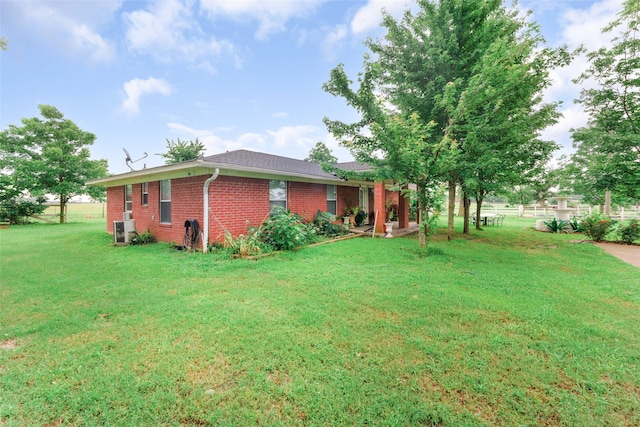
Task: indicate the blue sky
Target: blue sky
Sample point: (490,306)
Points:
(233,73)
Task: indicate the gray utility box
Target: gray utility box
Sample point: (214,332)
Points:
(121,231)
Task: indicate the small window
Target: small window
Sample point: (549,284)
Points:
(165,202)
(332,199)
(145,193)
(277,195)
(128,198)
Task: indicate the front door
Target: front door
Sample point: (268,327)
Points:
(364,203)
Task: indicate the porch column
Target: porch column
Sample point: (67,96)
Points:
(378,206)
(403,210)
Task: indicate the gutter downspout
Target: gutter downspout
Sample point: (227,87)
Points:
(205,207)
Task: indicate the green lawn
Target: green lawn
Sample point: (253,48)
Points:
(504,327)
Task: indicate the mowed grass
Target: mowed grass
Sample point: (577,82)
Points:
(504,327)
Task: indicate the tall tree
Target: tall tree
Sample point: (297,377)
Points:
(321,155)
(428,59)
(500,113)
(182,151)
(433,64)
(398,147)
(50,156)
(608,149)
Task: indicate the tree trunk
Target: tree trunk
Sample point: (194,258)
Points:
(478,210)
(63,206)
(466,203)
(422,220)
(452,206)
(461,204)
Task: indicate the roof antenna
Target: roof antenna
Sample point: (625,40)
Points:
(128,159)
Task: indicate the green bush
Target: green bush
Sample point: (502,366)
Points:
(284,231)
(556,226)
(18,211)
(597,226)
(141,238)
(249,244)
(629,232)
(325,224)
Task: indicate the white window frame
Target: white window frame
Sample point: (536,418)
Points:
(277,197)
(144,200)
(332,197)
(128,197)
(165,202)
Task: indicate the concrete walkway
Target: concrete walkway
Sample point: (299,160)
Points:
(627,253)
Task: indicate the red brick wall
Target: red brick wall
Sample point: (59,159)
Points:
(115,206)
(347,197)
(235,204)
(306,199)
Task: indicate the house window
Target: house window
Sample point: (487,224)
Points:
(332,199)
(128,198)
(165,201)
(277,194)
(145,193)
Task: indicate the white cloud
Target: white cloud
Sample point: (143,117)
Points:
(280,115)
(137,88)
(369,16)
(271,16)
(214,143)
(289,141)
(287,136)
(70,28)
(574,117)
(584,26)
(332,41)
(579,27)
(169,31)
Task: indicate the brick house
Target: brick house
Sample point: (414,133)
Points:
(238,189)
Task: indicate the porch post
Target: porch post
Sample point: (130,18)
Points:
(403,210)
(378,206)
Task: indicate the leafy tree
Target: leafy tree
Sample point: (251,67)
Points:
(399,148)
(50,156)
(500,113)
(428,59)
(182,151)
(321,155)
(438,65)
(608,149)
(3,43)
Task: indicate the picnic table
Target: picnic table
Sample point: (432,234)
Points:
(485,218)
(493,218)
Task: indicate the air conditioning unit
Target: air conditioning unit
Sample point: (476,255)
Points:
(126,216)
(121,231)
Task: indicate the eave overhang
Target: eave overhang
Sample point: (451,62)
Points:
(199,167)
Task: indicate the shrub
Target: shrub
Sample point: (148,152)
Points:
(556,226)
(326,226)
(141,238)
(245,244)
(597,226)
(18,211)
(286,231)
(575,225)
(629,232)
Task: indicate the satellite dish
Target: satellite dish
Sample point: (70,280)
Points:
(128,160)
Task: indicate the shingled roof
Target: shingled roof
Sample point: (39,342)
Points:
(254,159)
(235,163)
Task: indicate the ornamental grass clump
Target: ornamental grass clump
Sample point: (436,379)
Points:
(597,226)
(629,232)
